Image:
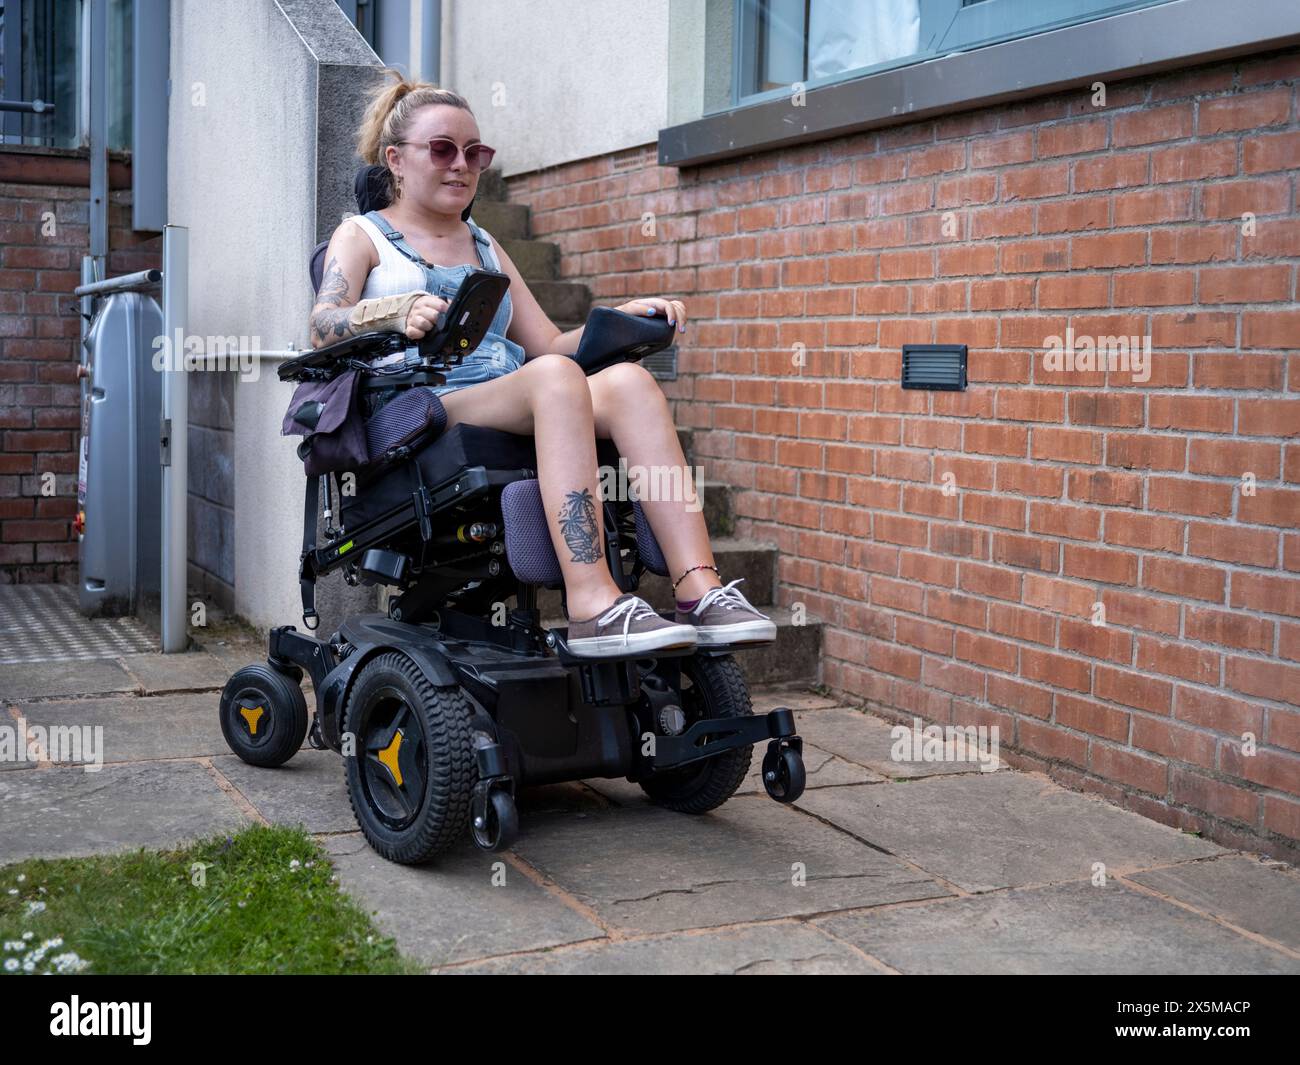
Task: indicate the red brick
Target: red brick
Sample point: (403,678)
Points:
(1108,250)
(1214,796)
(1077,523)
(1106,488)
(1147,774)
(1232,543)
(1272,595)
(1174,741)
(1132,689)
(1186,495)
(1060,671)
(1018,696)
(1053,743)
(1246,632)
(1100,564)
(1194,162)
(1244,111)
(1095,641)
(1145,531)
(1184,579)
(1066,445)
(1140,611)
(1271,506)
(1178,660)
(1193,244)
(1083,715)
(1106,408)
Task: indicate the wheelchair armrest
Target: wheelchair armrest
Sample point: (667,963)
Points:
(332,358)
(612,336)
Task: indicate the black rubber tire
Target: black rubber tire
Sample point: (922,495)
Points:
(284,725)
(703,786)
(439,719)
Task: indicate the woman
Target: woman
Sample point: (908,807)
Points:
(380,272)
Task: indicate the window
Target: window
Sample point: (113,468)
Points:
(864,64)
(44,56)
(815,42)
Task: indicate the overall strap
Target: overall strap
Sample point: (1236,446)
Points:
(481,242)
(483,246)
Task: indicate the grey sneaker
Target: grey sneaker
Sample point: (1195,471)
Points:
(725,616)
(629,625)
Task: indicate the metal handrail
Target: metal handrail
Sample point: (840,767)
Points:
(125,283)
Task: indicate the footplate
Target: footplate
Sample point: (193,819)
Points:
(715,735)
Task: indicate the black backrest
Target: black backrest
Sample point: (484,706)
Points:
(371,190)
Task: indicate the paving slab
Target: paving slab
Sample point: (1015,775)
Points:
(1259,896)
(309,790)
(823,769)
(765,697)
(1064,928)
(135,728)
(465,905)
(65,812)
(646,869)
(986,831)
(786,948)
(867,740)
(42,680)
(192,671)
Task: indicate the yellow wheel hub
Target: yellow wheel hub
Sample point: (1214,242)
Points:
(388,757)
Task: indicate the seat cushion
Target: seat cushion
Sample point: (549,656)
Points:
(460,447)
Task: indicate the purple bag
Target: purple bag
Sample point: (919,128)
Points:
(328,414)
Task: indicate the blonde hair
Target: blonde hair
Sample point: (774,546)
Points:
(392,103)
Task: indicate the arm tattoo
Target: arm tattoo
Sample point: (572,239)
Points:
(329,318)
(578,526)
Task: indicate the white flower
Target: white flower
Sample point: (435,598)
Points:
(11,965)
(13,891)
(34,908)
(28,935)
(22,877)
(293,865)
(242,904)
(29,967)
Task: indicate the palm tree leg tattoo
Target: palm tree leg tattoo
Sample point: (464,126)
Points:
(578,525)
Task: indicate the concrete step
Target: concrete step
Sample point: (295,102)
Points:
(491,186)
(537,260)
(719,514)
(563,301)
(505,221)
(795,655)
(754,561)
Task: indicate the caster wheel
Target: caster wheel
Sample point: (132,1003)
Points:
(783,773)
(412,777)
(263,716)
(500,822)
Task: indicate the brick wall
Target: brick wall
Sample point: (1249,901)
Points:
(39,334)
(999,228)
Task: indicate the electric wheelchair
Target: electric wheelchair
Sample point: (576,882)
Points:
(449,702)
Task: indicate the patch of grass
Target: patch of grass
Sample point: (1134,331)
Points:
(261,901)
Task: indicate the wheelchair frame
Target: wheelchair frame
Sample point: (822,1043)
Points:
(539,713)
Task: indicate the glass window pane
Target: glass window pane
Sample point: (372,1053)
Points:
(847,35)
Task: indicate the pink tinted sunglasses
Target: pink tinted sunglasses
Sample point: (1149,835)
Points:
(443,152)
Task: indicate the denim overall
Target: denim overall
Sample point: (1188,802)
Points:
(497,355)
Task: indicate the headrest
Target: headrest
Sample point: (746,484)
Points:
(372,190)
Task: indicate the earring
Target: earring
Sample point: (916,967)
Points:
(397,186)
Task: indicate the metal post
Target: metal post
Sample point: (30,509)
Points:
(175,430)
(99,136)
